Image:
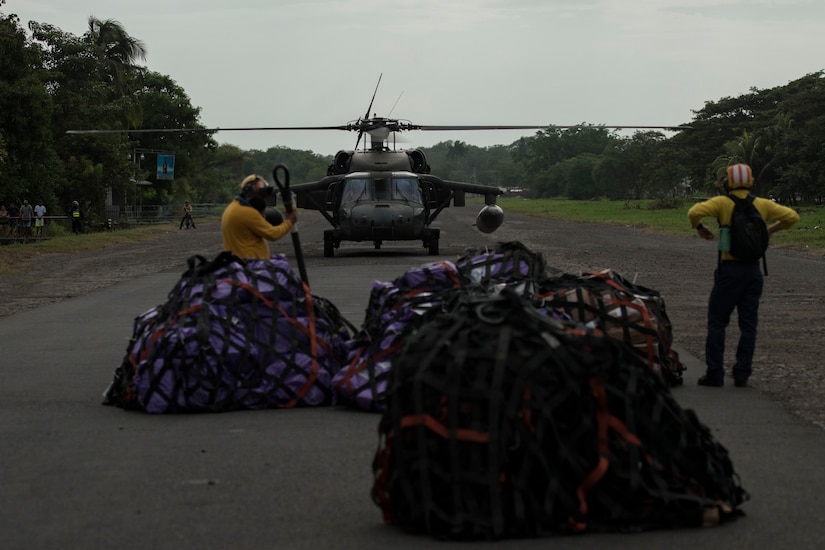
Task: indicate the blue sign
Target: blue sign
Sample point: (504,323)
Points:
(166,167)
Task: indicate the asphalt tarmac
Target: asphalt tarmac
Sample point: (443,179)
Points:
(77,474)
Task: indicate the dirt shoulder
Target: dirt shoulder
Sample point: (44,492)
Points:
(50,278)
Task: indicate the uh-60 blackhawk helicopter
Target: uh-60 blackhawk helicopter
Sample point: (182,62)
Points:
(379,193)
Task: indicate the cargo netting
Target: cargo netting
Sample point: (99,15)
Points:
(502,421)
(233,334)
(628,312)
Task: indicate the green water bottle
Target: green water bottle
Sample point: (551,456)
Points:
(724,239)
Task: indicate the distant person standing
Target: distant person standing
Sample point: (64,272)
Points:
(26,216)
(737,283)
(39,218)
(76,218)
(187,216)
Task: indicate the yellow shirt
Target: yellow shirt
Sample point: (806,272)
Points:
(721,208)
(245,231)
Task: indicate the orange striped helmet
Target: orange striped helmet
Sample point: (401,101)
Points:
(740,176)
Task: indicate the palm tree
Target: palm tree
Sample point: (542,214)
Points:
(754,149)
(116,53)
(457,150)
(115,50)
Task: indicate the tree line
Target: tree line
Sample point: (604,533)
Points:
(52,81)
(779,132)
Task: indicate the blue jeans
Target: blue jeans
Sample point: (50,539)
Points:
(737,286)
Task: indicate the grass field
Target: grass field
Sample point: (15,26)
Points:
(12,256)
(807,235)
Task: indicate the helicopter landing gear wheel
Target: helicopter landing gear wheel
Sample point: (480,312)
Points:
(432,243)
(378,244)
(329,244)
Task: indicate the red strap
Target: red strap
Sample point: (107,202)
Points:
(313,346)
(604,421)
(462,434)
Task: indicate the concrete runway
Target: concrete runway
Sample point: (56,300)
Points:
(76,474)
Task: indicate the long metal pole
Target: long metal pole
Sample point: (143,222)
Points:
(286,196)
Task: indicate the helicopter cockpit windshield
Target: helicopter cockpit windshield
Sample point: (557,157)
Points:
(356,190)
(406,189)
(397,187)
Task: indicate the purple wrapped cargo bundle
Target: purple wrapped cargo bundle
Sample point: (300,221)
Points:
(393,309)
(233,334)
(508,263)
(397,308)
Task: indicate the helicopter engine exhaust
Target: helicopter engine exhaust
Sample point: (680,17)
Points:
(490,218)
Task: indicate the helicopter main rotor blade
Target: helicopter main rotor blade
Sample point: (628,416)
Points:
(370,125)
(369,108)
(543,127)
(200,130)
(367,115)
(396,103)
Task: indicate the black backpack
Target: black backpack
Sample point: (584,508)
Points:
(748,231)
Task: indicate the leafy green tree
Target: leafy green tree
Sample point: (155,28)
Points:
(800,157)
(165,105)
(499,169)
(303,166)
(218,175)
(690,153)
(27,160)
(86,93)
(538,155)
(460,161)
(440,165)
(577,174)
(457,150)
(621,170)
(777,131)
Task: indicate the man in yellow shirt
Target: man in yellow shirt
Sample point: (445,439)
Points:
(244,227)
(737,283)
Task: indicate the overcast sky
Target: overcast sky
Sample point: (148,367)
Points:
(447,62)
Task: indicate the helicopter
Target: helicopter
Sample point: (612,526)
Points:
(379,193)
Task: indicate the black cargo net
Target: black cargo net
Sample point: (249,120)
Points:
(628,312)
(233,334)
(503,422)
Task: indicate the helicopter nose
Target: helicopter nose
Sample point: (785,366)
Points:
(490,218)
